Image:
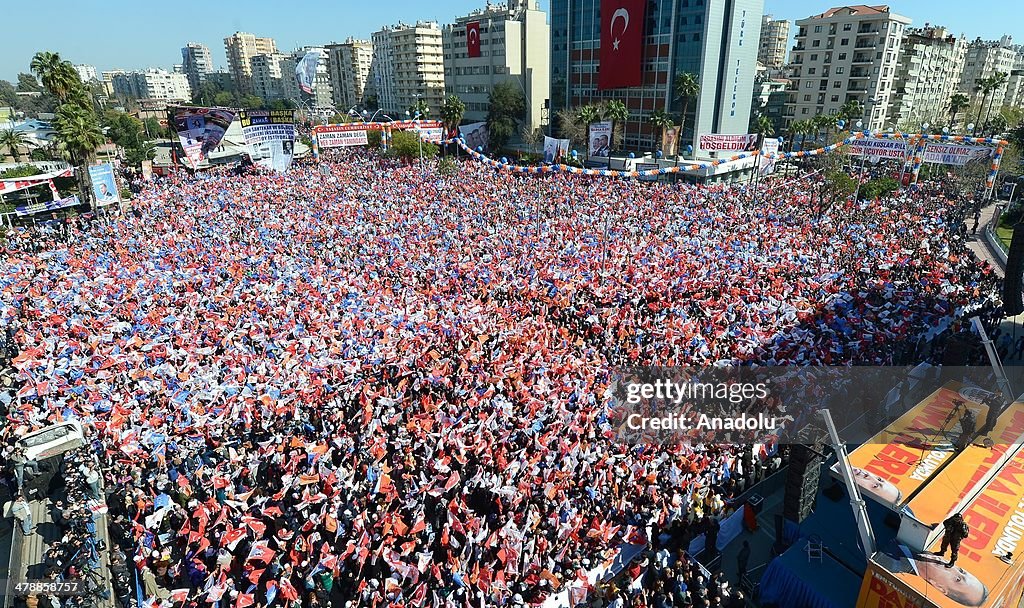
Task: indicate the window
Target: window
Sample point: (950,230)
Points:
(847,27)
(837,84)
(844,42)
(835,98)
(808,84)
(817,29)
(814,56)
(803,110)
(840,70)
(807,97)
(842,56)
(811,70)
(816,43)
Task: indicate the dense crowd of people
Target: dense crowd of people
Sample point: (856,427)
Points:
(381,387)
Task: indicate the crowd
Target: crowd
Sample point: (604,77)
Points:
(387,388)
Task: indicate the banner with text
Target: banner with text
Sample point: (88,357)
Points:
(728,143)
(341,136)
(104,187)
(200,130)
(600,138)
(955,154)
(873,147)
(270,137)
(63,203)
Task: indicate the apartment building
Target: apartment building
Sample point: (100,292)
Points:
(928,76)
(349,64)
(409,65)
(240,48)
(196,63)
(771,52)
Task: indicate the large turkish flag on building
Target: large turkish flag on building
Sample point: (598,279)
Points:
(473,38)
(622,38)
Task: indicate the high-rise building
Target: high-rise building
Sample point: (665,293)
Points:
(196,62)
(514,47)
(408,66)
(153,83)
(266,76)
(844,54)
(927,77)
(716,40)
(774,39)
(240,48)
(985,58)
(349,65)
(86,72)
(322,95)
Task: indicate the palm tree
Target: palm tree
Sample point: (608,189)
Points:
(451,112)
(13,140)
(58,76)
(587,115)
(764,126)
(421,108)
(802,128)
(985,86)
(995,81)
(686,87)
(823,121)
(958,102)
(852,110)
(662,121)
(617,112)
(79,131)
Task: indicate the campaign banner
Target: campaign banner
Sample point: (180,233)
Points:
(21,183)
(104,187)
(874,147)
(200,130)
(475,134)
(728,143)
(769,148)
(270,137)
(891,466)
(432,135)
(341,136)
(954,154)
(305,71)
(63,203)
(555,149)
(670,141)
(147,170)
(988,572)
(600,139)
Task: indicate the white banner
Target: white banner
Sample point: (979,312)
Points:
(873,147)
(600,139)
(728,143)
(554,149)
(270,136)
(954,154)
(341,136)
(432,135)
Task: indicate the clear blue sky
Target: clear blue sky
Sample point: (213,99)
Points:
(131,34)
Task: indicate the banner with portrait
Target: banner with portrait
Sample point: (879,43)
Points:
(555,149)
(957,155)
(728,143)
(200,130)
(475,134)
(104,186)
(269,136)
(670,141)
(600,139)
(305,71)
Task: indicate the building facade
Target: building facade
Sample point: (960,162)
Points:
(349,64)
(846,53)
(322,95)
(408,66)
(985,58)
(771,52)
(86,73)
(151,84)
(514,47)
(266,76)
(715,39)
(196,63)
(927,77)
(240,48)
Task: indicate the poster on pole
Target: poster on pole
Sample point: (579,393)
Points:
(955,154)
(430,134)
(341,136)
(270,137)
(555,149)
(600,139)
(728,143)
(200,130)
(670,141)
(305,71)
(475,134)
(874,147)
(104,187)
(769,149)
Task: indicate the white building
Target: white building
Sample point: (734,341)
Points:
(86,73)
(771,51)
(322,95)
(846,53)
(349,64)
(266,76)
(153,83)
(928,76)
(514,47)
(984,59)
(196,63)
(240,48)
(408,66)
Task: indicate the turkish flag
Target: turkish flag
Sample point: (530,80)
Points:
(622,36)
(473,38)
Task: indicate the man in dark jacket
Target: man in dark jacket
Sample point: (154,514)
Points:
(955,530)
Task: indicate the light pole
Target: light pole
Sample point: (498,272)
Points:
(863,156)
(419,135)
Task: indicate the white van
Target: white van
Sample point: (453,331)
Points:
(53,440)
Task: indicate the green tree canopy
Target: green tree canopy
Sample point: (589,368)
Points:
(406,145)
(506,108)
(27,83)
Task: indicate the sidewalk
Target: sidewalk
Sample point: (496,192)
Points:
(980,245)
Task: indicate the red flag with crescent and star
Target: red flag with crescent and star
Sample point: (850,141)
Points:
(473,38)
(622,38)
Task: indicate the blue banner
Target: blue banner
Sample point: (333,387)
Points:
(104,188)
(63,203)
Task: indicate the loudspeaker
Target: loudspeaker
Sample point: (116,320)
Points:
(802,482)
(1012,301)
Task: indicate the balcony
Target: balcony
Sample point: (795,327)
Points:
(856,88)
(862,59)
(859,74)
(864,45)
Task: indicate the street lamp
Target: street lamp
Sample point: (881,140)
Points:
(419,135)
(863,157)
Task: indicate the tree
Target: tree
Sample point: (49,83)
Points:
(20,171)
(958,102)
(223,98)
(662,121)
(58,76)
(8,94)
(570,127)
(823,122)
(995,81)
(13,141)
(532,137)
(135,155)
(506,108)
(985,86)
(79,132)
(27,83)
(251,102)
(617,112)
(421,108)
(686,87)
(587,115)
(801,128)
(407,146)
(452,111)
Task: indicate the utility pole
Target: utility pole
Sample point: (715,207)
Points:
(860,511)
